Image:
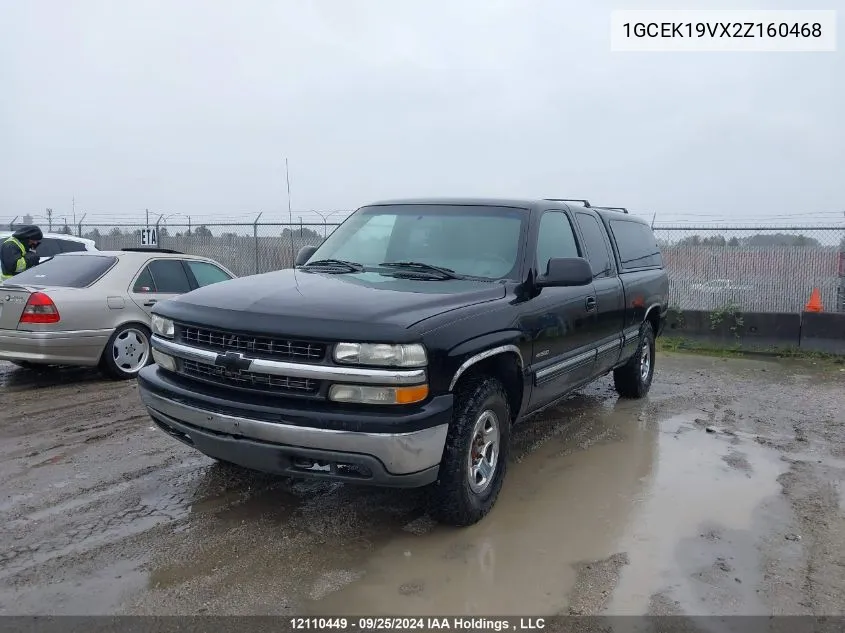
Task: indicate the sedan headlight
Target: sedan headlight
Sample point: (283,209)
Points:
(381,354)
(162,327)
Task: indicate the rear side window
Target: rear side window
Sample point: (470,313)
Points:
(66,271)
(636,244)
(69,246)
(595,245)
(206,274)
(555,239)
(48,247)
(145,282)
(169,276)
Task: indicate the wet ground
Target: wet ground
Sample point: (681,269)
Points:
(721,493)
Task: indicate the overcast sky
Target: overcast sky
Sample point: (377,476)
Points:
(191,106)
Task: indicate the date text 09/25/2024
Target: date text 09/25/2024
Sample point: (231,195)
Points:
(417,624)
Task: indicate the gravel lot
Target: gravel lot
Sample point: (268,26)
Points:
(721,493)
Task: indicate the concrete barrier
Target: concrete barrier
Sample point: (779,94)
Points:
(823,332)
(749,330)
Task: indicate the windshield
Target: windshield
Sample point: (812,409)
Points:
(475,241)
(66,271)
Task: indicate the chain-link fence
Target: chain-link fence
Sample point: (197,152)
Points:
(756,268)
(245,249)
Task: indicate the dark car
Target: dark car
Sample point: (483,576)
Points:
(402,350)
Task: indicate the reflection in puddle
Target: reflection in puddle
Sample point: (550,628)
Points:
(706,494)
(560,505)
(633,497)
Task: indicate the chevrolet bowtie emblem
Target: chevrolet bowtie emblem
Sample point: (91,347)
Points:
(233,361)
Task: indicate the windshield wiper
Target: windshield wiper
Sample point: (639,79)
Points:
(421,267)
(351,267)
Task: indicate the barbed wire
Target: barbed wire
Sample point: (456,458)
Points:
(689,220)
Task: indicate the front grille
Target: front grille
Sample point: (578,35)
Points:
(254,346)
(249,380)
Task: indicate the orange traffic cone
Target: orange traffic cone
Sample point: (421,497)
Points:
(815,302)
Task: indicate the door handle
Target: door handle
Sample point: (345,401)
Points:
(149,303)
(591,304)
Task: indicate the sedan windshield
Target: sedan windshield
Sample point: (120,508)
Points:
(472,241)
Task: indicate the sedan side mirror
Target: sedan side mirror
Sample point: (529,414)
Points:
(566,271)
(304,255)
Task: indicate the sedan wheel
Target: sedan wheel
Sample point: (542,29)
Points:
(128,351)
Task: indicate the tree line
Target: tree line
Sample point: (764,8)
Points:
(759,239)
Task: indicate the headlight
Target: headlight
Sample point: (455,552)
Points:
(382,354)
(162,327)
(378,395)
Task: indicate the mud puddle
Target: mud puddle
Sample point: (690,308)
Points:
(569,525)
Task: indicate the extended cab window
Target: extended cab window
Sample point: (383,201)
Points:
(636,244)
(556,239)
(596,245)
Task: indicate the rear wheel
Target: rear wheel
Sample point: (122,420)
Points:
(127,352)
(475,457)
(633,379)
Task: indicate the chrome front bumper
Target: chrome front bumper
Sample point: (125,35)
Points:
(393,459)
(73,347)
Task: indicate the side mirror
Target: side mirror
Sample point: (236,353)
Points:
(569,271)
(304,255)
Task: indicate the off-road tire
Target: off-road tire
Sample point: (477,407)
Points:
(628,379)
(107,362)
(453,502)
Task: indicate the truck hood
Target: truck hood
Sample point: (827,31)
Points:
(364,306)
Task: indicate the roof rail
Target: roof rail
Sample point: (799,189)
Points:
(586,203)
(622,209)
(150,249)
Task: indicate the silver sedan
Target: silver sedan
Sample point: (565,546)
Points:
(93,308)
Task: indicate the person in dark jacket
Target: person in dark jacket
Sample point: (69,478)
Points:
(17,253)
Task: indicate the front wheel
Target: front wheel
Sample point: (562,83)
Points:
(633,379)
(127,352)
(475,457)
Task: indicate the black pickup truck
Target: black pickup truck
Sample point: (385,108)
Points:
(402,350)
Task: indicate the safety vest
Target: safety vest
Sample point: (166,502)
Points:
(20,265)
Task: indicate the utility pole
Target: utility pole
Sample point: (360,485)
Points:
(290,214)
(148,218)
(73,206)
(49,220)
(287,177)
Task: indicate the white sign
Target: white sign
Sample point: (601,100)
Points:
(149,237)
